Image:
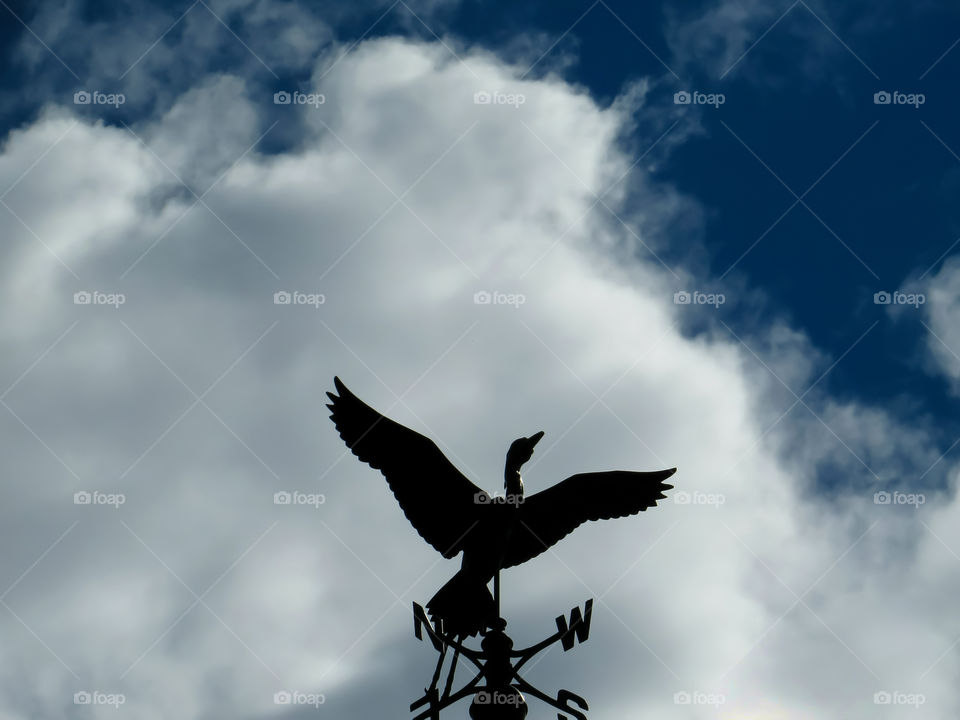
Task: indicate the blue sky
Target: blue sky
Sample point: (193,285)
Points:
(788,188)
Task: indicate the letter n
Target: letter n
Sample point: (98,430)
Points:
(420,618)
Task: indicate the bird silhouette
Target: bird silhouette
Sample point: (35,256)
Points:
(454,515)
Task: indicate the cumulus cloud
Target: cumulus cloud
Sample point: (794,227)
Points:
(198,397)
(942,306)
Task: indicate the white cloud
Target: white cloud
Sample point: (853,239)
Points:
(942,307)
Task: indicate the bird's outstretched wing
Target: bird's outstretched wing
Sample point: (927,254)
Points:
(436,498)
(549,515)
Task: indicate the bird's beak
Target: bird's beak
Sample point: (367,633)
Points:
(534,439)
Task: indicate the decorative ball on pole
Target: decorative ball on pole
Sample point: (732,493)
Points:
(499,700)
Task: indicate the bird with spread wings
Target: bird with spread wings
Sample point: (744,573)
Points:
(454,515)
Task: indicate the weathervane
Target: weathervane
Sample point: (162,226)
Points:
(499,664)
(454,516)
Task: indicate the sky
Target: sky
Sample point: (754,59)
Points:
(721,236)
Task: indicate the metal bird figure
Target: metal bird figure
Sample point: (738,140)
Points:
(454,515)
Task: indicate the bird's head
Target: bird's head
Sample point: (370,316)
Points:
(520,451)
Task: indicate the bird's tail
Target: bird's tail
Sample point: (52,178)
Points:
(464,605)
